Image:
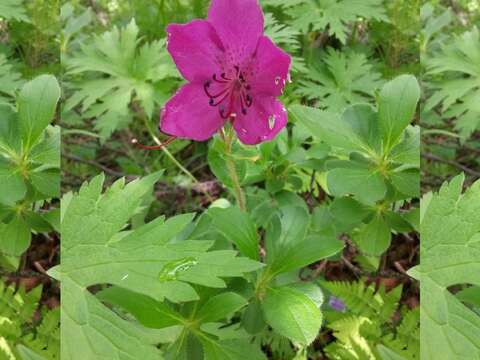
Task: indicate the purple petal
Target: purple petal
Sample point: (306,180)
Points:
(188,114)
(263,121)
(239,24)
(196,49)
(336,304)
(271,70)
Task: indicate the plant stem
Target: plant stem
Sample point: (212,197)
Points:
(232,170)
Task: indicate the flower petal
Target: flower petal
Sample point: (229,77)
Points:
(189,115)
(239,24)
(271,68)
(263,121)
(196,49)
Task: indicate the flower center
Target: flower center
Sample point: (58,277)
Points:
(224,91)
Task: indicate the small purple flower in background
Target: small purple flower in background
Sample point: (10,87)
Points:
(337,304)
(234,73)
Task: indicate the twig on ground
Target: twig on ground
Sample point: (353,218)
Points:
(464,168)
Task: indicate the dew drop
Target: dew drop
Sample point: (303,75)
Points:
(284,109)
(277,80)
(244,130)
(271,122)
(124,277)
(173,269)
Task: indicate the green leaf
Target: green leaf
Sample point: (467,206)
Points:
(292,314)
(13,185)
(396,106)
(450,252)
(328,127)
(407,182)
(147,311)
(28,354)
(231,350)
(36,106)
(388,354)
(220,306)
(46,182)
(238,228)
(15,237)
(366,185)
(288,245)
(373,238)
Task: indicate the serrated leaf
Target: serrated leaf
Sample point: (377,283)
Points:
(124,71)
(10,80)
(340,79)
(335,14)
(450,252)
(456,81)
(95,250)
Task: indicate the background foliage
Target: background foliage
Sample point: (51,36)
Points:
(30,179)
(331,224)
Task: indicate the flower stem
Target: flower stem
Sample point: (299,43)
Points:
(232,170)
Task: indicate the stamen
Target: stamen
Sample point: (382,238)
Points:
(212,102)
(218,80)
(157,147)
(217,95)
(249,100)
(234,90)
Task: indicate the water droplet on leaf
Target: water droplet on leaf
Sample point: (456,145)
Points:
(271,122)
(175,268)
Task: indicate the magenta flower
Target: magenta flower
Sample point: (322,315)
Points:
(234,73)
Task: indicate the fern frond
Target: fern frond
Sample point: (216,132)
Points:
(363,300)
(17,325)
(348,332)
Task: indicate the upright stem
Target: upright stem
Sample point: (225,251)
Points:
(232,170)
